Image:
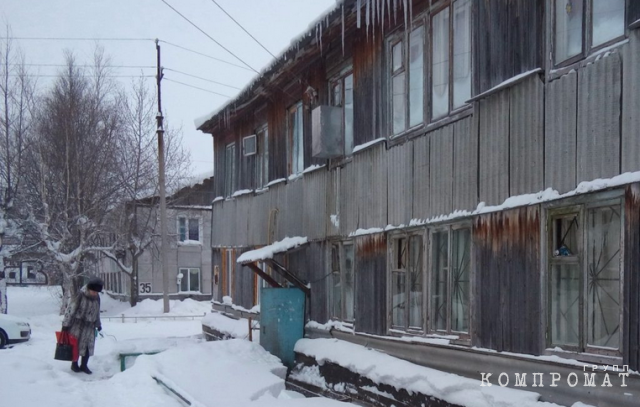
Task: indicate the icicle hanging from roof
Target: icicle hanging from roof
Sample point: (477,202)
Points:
(358,7)
(366,16)
(395,11)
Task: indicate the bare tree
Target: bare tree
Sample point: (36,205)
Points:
(17,95)
(73,182)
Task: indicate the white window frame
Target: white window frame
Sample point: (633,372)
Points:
(339,81)
(186,276)
(188,218)
(246,153)
(262,157)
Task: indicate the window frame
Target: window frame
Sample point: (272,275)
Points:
(230,169)
(587,48)
(341,245)
(391,269)
(188,218)
(403,36)
(581,207)
(451,110)
(449,228)
(339,79)
(292,139)
(244,149)
(262,156)
(188,279)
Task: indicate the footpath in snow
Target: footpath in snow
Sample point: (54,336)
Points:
(234,373)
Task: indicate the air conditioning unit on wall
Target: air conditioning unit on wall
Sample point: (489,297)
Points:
(326,132)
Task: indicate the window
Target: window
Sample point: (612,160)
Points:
(189,279)
(584,278)
(249,145)
(262,159)
(450,63)
(578,32)
(450,279)
(228,275)
(407,81)
(31,273)
(342,96)
(407,282)
(295,147)
(230,170)
(188,229)
(12,275)
(342,281)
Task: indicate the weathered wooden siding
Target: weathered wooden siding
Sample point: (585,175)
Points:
(631,342)
(400,184)
(494,148)
(441,172)
(599,96)
(561,112)
(333,203)
(315,204)
(633,11)
(421,178)
(371,284)
(506,308)
(243,284)
(465,165)
(348,199)
(309,264)
(507,40)
(367,96)
(526,137)
(631,101)
(371,169)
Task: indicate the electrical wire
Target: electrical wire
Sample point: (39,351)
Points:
(202,79)
(195,87)
(84,76)
(210,37)
(75,39)
(87,66)
(205,55)
(243,29)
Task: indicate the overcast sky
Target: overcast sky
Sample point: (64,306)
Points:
(273,22)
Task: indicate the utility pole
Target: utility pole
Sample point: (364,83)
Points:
(163,199)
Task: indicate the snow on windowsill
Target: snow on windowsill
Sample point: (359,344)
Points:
(269,251)
(276,181)
(294,177)
(189,243)
(505,84)
(313,168)
(218,199)
(241,192)
(367,145)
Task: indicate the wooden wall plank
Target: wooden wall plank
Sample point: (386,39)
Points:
(441,172)
(371,284)
(561,112)
(526,137)
(631,102)
(400,184)
(493,119)
(599,95)
(465,165)
(421,178)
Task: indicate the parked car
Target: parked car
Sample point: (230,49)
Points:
(13,330)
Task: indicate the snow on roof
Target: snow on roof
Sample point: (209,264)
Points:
(267,252)
(295,42)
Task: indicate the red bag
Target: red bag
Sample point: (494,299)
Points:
(71,340)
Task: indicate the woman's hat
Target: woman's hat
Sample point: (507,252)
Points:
(95,284)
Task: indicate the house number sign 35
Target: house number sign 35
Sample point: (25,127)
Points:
(144,288)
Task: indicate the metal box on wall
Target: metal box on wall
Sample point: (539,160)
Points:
(326,132)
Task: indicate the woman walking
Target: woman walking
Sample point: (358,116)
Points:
(81,319)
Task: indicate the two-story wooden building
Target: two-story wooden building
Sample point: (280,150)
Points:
(462,169)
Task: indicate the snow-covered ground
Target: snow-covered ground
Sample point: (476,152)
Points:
(231,373)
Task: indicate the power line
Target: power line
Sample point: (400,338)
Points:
(195,87)
(76,39)
(210,37)
(202,79)
(243,29)
(86,76)
(87,66)
(205,55)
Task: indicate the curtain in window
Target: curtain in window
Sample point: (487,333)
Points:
(348,282)
(568,28)
(608,20)
(461,52)
(416,77)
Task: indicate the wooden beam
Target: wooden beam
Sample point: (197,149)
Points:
(265,276)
